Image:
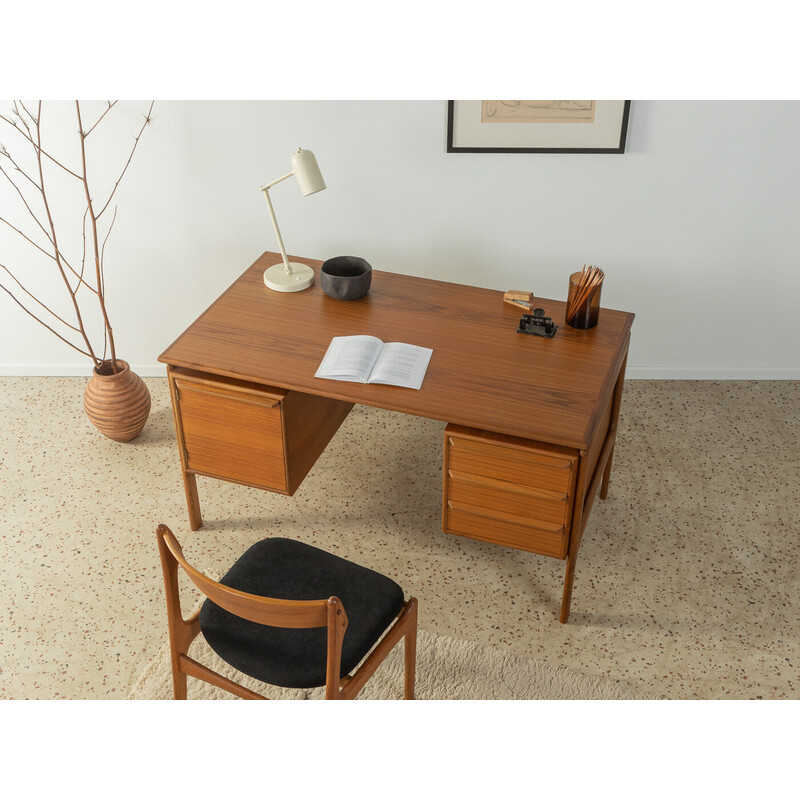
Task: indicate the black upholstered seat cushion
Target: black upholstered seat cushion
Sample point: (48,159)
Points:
(290,570)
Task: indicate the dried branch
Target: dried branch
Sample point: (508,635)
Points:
(39,302)
(25,203)
(27,238)
(34,120)
(21,118)
(36,145)
(147,120)
(103,251)
(110,106)
(83,255)
(95,241)
(31,212)
(81,281)
(28,311)
(4,152)
(54,240)
(29,126)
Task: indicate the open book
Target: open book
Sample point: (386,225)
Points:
(366,359)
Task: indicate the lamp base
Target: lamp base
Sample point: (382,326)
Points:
(277,279)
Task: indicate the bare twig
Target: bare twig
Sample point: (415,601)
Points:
(34,120)
(95,242)
(37,145)
(39,302)
(33,214)
(6,154)
(25,203)
(103,252)
(81,281)
(22,119)
(83,255)
(27,238)
(147,119)
(29,126)
(27,311)
(54,240)
(110,106)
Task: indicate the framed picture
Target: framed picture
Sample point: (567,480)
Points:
(537,126)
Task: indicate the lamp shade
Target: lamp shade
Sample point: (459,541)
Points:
(306,170)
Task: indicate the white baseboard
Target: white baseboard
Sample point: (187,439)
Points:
(73,370)
(632,372)
(713,373)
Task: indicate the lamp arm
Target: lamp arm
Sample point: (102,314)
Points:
(282,178)
(265,189)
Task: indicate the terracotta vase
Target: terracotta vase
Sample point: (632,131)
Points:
(117,404)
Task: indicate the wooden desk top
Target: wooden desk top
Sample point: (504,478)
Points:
(483,374)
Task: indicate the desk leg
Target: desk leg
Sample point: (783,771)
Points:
(569,578)
(189,479)
(612,431)
(586,498)
(579,515)
(606,476)
(192,500)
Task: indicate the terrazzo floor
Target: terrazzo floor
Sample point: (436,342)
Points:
(687,582)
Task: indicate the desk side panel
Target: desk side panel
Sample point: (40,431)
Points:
(310,423)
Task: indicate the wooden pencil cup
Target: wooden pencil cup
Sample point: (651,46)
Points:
(583,303)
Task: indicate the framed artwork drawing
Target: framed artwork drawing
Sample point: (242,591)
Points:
(537,126)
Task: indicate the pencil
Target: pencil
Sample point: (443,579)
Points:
(588,283)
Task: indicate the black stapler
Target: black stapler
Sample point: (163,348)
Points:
(537,324)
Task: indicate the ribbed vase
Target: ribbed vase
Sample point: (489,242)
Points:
(117,404)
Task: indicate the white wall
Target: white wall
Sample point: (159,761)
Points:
(695,225)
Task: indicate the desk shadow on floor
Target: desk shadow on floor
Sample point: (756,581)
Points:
(159,428)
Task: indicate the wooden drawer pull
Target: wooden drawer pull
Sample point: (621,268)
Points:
(239,397)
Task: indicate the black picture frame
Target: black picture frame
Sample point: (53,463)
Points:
(614,133)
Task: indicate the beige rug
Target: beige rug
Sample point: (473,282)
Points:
(447,669)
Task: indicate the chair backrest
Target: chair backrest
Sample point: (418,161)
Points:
(264,610)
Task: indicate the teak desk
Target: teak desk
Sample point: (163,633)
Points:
(532,420)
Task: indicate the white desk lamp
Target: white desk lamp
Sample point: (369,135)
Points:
(285,276)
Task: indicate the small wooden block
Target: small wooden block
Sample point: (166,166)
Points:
(518,294)
(519,299)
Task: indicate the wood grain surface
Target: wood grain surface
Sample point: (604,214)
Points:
(482,374)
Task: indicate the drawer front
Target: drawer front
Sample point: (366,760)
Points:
(494,495)
(525,466)
(505,529)
(233,434)
(509,492)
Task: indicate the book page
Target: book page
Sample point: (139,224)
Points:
(349,358)
(401,365)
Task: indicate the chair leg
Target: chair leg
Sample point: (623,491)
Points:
(178,679)
(181,632)
(410,651)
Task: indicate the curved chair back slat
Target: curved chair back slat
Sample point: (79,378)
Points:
(264,610)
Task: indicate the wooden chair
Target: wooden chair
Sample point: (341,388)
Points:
(278,615)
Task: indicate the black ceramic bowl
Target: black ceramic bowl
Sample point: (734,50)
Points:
(345,277)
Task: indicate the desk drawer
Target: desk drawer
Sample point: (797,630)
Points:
(233,432)
(491,494)
(508,530)
(507,490)
(509,459)
(258,435)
